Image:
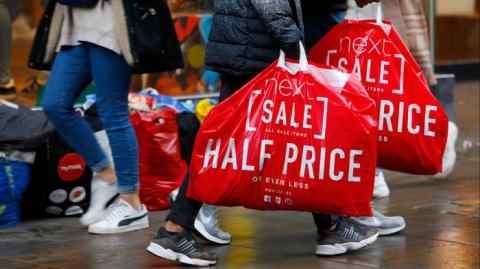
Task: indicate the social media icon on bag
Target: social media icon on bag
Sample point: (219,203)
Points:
(267,199)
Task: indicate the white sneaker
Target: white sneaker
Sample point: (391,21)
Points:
(450,154)
(121,217)
(101,193)
(380,187)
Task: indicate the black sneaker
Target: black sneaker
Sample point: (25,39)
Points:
(180,247)
(344,236)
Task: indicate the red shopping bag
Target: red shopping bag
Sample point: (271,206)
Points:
(412,125)
(162,168)
(296,137)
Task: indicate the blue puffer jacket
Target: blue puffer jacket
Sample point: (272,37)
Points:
(247,35)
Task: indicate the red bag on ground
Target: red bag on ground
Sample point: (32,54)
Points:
(296,137)
(162,168)
(412,125)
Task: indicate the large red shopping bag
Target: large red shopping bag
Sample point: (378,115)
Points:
(162,168)
(412,125)
(296,137)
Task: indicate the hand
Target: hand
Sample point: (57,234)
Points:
(362,3)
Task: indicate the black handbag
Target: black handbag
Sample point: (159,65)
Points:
(78,3)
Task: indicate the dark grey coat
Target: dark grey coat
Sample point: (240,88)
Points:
(247,35)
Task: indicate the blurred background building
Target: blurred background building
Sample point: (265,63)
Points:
(455,29)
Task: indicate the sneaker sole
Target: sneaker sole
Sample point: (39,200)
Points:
(200,228)
(384,232)
(129,228)
(171,255)
(337,249)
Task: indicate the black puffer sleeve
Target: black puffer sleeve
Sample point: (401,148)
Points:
(279,20)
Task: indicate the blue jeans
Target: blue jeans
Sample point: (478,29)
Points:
(73,69)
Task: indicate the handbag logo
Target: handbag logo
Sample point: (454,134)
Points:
(71,167)
(360,45)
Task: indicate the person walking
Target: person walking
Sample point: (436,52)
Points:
(100,41)
(246,37)
(317,22)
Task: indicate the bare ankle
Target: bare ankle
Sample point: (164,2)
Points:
(173,227)
(133,199)
(108,175)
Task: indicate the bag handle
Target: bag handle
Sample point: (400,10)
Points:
(303,62)
(379,16)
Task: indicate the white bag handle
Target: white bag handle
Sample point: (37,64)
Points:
(303,62)
(379,14)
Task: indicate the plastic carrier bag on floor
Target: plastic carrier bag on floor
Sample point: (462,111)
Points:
(22,128)
(296,137)
(162,168)
(412,125)
(14,179)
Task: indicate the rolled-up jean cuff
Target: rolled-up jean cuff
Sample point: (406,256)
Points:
(127,188)
(99,166)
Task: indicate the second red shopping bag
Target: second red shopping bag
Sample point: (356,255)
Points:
(412,125)
(296,137)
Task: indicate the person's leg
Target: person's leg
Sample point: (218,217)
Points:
(69,76)
(112,79)
(7,86)
(231,84)
(111,74)
(183,212)
(323,221)
(173,240)
(317,27)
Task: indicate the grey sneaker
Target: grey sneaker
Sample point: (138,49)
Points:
(344,236)
(180,247)
(389,225)
(206,224)
(385,225)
